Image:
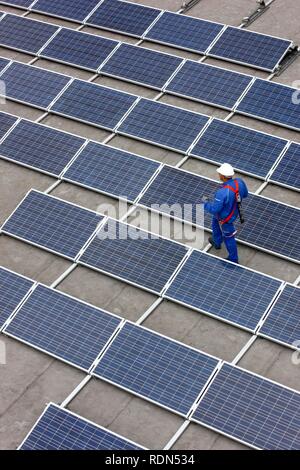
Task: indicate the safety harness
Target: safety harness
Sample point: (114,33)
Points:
(236,202)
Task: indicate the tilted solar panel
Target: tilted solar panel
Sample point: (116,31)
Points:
(184,32)
(32,85)
(141,65)
(229,292)
(288,171)
(59,429)
(40,147)
(3,63)
(13,289)
(209,84)
(251,409)
(163,125)
(124,17)
(25,34)
(77,48)
(133,255)
(6,122)
(52,224)
(250,48)
(272,102)
(94,104)
(110,170)
(18,3)
(245,149)
(63,327)
(155,367)
(76,10)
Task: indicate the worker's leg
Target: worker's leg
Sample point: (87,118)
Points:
(217,234)
(230,242)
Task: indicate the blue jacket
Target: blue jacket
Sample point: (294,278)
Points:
(224,201)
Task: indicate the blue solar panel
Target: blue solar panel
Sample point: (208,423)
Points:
(125,17)
(288,171)
(272,102)
(283,322)
(111,171)
(251,409)
(24,34)
(32,85)
(18,3)
(93,104)
(163,125)
(40,147)
(134,255)
(3,63)
(63,327)
(141,65)
(81,49)
(230,292)
(184,32)
(209,84)
(52,224)
(13,289)
(59,429)
(71,9)
(245,149)
(250,48)
(156,367)
(6,122)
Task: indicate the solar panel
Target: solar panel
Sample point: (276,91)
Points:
(69,9)
(94,104)
(229,292)
(283,322)
(3,63)
(18,3)
(133,255)
(59,429)
(184,32)
(141,65)
(287,172)
(250,48)
(251,409)
(245,149)
(52,224)
(63,327)
(40,147)
(25,34)
(124,17)
(13,289)
(111,171)
(272,102)
(81,49)
(209,84)
(6,122)
(32,85)
(163,125)
(155,367)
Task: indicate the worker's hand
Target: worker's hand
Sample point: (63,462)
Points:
(204,199)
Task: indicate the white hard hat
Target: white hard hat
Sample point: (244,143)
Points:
(226,170)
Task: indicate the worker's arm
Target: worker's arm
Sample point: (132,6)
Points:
(217,205)
(243,190)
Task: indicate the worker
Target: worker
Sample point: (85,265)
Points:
(225,209)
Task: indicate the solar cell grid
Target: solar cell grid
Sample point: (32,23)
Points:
(76,10)
(6,122)
(18,3)
(3,64)
(288,172)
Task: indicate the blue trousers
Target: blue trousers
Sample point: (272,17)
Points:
(225,233)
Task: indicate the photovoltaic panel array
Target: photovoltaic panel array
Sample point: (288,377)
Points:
(155,367)
(52,224)
(32,85)
(81,49)
(19,3)
(133,255)
(251,409)
(93,104)
(70,9)
(40,147)
(13,289)
(209,84)
(283,322)
(163,125)
(6,122)
(24,34)
(243,295)
(3,63)
(111,171)
(245,149)
(184,32)
(125,17)
(63,327)
(141,65)
(272,102)
(250,48)
(288,172)
(59,429)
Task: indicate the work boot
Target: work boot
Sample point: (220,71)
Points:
(211,241)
